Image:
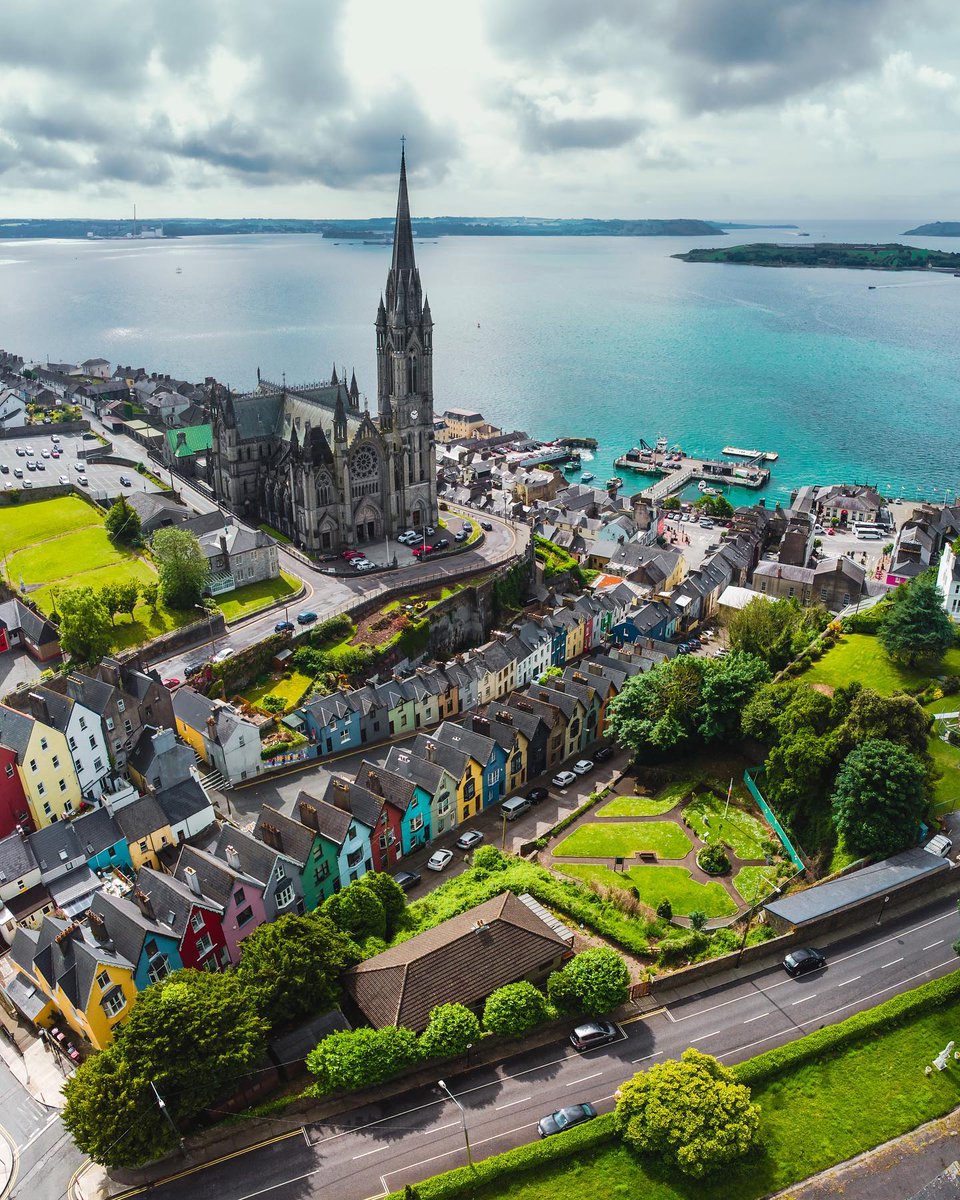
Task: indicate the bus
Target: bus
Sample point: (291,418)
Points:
(869,533)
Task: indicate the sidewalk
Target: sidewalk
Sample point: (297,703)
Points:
(35,1067)
(6,1162)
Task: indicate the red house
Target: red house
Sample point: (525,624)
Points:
(387,838)
(196,919)
(14,809)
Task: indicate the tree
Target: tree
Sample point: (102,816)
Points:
(690,1112)
(698,921)
(357,910)
(127,595)
(191,1035)
(489,858)
(390,895)
(656,709)
(714,506)
(150,594)
(84,624)
(897,718)
(728,685)
(594,981)
(361,1057)
(775,630)
(122,523)
(879,798)
(110,599)
(670,503)
(513,1009)
(452,1028)
(665,910)
(917,626)
(181,565)
(290,966)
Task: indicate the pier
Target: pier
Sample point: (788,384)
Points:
(755,455)
(676,475)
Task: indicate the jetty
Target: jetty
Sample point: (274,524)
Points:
(581,443)
(757,455)
(677,470)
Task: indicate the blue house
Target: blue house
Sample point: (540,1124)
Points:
(491,756)
(337,823)
(412,801)
(332,722)
(652,620)
(103,842)
(558,642)
(142,936)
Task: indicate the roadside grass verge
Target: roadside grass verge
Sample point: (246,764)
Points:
(623,840)
(254,597)
(655,883)
(744,833)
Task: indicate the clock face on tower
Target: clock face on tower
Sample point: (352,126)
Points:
(414,414)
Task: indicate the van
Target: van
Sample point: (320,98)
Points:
(706,523)
(515,807)
(868,535)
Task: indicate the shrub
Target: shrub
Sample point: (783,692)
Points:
(713,859)
(452,1028)
(513,1009)
(489,858)
(598,981)
(698,921)
(273,704)
(357,1058)
(665,909)
(682,948)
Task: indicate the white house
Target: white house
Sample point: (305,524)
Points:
(187,807)
(221,736)
(97,368)
(238,556)
(13,411)
(948,581)
(83,730)
(538,642)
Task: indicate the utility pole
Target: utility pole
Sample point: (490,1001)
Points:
(162,1105)
(463,1119)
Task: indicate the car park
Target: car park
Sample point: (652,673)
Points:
(4,469)
(406,880)
(583,766)
(467,841)
(20,452)
(283,627)
(563,779)
(802,961)
(535,795)
(41,465)
(604,753)
(591,1034)
(306,618)
(439,860)
(565,1118)
(125,481)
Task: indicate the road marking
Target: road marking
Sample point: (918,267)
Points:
(713,1007)
(437,1128)
(804,999)
(950,962)
(511,1103)
(750,1045)
(853,980)
(367,1153)
(446,1153)
(759,1017)
(702,1036)
(646,1057)
(892,963)
(894,937)
(583,1079)
(932,944)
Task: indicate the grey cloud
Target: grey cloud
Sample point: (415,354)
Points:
(541,131)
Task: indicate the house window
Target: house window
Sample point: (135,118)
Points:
(114,1003)
(47,810)
(158,968)
(33,764)
(196,922)
(245,915)
(517,763)
(98,764)
(40,789)
(354,857)
(93,742)
(120,706)
(68,807)
(128,726)
(239,896)
(383,842)
(285,896)
(103,981)
(83,722)
(63,785)
(204,944)
(281,873)
(9,770)
(43,743)
(321,872)
(109,722)
(72,743)
(470,790)
(416,824)
(443,804)
(143,846)
(352,831)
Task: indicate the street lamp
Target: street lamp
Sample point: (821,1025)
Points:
(882,909)
(463,1118)
(213,641)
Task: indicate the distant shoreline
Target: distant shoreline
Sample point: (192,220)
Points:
(858,257)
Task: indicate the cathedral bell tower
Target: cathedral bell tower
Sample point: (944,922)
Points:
(405,377)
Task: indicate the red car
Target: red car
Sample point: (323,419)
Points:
(173,682)
(350,555)
(420,551)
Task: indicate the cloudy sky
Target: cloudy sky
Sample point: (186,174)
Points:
(660,108)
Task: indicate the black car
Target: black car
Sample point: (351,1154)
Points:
(603,753)
(125,481)
(486,525)
(283,627)
(565,1118)
(441,544)
(803,961)
(594,1033)
(306,618)
(535,795)
(406,880)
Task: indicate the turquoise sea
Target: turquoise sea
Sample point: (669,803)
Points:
(607,337)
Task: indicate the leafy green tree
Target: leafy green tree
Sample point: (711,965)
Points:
(714,506)
(698,921)
(665,910)
(110,599)
(879,799)
(150,594)
(127,593)
(390,895)
(191,1035)
(489,858)
(690,1112)
(728,685)
(917,626)
(655,710)
(775,630)
(513,1009)
(181,565)
(452,1028)
(122,523)
(357,1058)
(291,966)
(358,911)
(551,673)
(598,981)
(84,624)
(670,503)
(897,718)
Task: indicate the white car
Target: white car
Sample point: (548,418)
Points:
(363,564)
(29,450)
(408,537)
(563,779)
(78,467)
(583,766)
(222,655)
(64,478)
(439,860)
(45,452)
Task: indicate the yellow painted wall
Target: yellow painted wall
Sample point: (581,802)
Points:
(193,738)
(147,857)
(42,786)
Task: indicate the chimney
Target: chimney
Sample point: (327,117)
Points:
(98,927)
(38,706)
(144,903)
(480,927)
(373,785)
(559,685)
(271,836)
(431,749)
(233,858)
(480,724)
(71,931)
(110,671)
(308,815)
(212,728)
(193,881)
(223,547)
(504,717)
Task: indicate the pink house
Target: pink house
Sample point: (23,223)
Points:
(238,895)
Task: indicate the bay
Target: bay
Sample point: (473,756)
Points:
(606,337)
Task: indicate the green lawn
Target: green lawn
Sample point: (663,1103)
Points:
(946,791)
(147,624)
(624,839)
(741,831)
(860,657)
(754,883)
(812,1117)
(120,571)
(256,596)
(27,523)
(292,689)
(70,556)
(636,806)
(656,883)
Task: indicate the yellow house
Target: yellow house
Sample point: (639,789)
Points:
(575,627)
(44,764)
(462,767)
(65,976)
(147,829)
(514,741)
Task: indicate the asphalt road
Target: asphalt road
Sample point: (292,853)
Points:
(405,1139)
(46,1156)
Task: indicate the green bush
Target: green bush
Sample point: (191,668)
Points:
(598,981)
(665,910)
(514,1009)
(682,948)
(358,1058)
(489,858)
(713,859)
(452,1028)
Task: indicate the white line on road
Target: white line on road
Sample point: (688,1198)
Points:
(701,1036)
(846,981)
(932,944)
(750,1045)
(511,1103)
(655,1054)
(892,963)
(902,983)
(437,1128)
(758,1017)
(583,1079)
(804,999)
(457,1150)
(894,937)
(367,1153)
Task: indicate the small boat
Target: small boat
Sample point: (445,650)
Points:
(571,466)
(871,287)
(586,477)
(661,446)
(615,482)
(179,270)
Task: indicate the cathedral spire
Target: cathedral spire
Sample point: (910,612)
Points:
(403,259)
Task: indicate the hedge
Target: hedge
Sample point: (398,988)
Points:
(889,1015)
(462,1181)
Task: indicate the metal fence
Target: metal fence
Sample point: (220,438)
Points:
(771,817)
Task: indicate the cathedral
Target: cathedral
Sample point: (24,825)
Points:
(310,463)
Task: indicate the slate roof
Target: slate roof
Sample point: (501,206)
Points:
(15,730)
(183,800)
(96,831)
(173,899)
(396,789)
(427,774)
(332,821)
(55,845)
(127,927)
(296,838)
(71,962)
(217,878)
(141,818)
(256,859)
(37,630)
(16,857)
(459,961)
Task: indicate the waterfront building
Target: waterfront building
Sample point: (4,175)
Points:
(311,463)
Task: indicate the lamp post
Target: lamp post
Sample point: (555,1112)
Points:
(463,1119)
(882,909)
(213,640)
(749,917)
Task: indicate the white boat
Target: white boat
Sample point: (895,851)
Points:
(586,477)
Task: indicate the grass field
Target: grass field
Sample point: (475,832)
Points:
(256,596)
(624,839)
(812,1117)
(26,524)
(292,690)
(860,657)
(754,883)
(741,831)
(656,883)
(636,806)
(946,791)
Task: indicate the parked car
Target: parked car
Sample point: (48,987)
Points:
(222,655)
(535,795)
(803,961)
(563,779)
(20,452)
(565,1118)
(194,667)
(83,481)
(18,472)
(694,643)
(4,469)
(467,841)
(55,437)
(306,618)
(28,483)
(461,536)
(422,551)
(940,845)
(441,544)
(408,537)
(31,465)
(54,453)
(429,530)
(350,555)
(79,467)
(583,766)
(125,481)
(604,753)
(406,880)
(283,627)
(439,860)
(64,478)
(172,682)
(41,465)
(45,452)
(591,1034)
(363,564)
(29,450)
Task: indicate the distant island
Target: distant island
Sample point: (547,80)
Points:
(892,257)
(936,229)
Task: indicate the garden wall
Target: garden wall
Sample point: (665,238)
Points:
(32,431)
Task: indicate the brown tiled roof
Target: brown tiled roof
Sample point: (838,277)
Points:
(459,961)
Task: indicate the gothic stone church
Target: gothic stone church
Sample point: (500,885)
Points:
(308,462)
